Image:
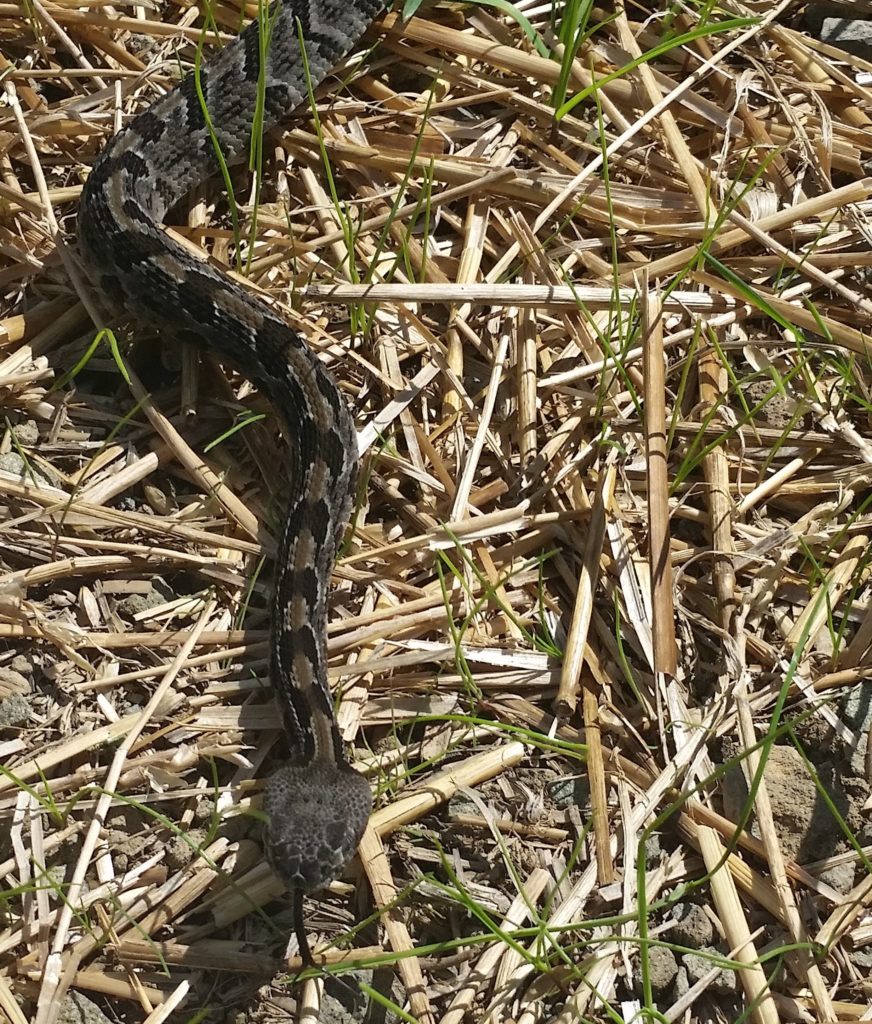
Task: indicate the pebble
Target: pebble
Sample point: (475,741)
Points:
(12,462)
(14,710)
(14,682)
(569,792)
(856,712)
(133,604)
(22,665)
(662,968)
(78,1009)
(698,966)
(27,433)
(181,850)
(692,927)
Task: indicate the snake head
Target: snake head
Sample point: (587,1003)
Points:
(317,813)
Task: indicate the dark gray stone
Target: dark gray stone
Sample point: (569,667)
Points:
(852,35)
(698,966)
(662,967)
(856,713)
(862,958)
(692,927)
(569,792)
(343,1000)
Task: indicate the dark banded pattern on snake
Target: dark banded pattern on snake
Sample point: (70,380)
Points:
(317,805)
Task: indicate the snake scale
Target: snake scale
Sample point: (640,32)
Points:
(317,805)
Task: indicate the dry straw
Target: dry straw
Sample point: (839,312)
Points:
(602,628)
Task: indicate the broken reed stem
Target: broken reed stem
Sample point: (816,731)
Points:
(372,856)
(803,962)
(442,787)
(576,640)
(524,296)
(712,383)
(826,598)
(599,804)
(738,935)
(659,551)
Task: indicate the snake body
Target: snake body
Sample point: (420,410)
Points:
(317,805)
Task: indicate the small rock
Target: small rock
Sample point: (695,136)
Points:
(692,927)
(569,792)
(204,810)
(653,848)
(839,877)
(12,462)
(862,958)
(858,819)
(133,604)
(856,713)
(662,967)
(779,409)
(462,805)
(140,43)
(55,876)
(181,850)
(344,1002)
(21,664)
(126,849)
(698,966)
(14,710)
(853,35)
(78,1009)
(803,822)
(13,682)
(27,433)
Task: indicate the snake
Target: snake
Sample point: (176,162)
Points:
(316,805)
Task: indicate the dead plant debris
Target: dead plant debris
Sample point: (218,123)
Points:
(600,302)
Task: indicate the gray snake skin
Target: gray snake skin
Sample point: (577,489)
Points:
(317,806)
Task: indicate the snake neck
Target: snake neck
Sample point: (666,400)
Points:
(325,468)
